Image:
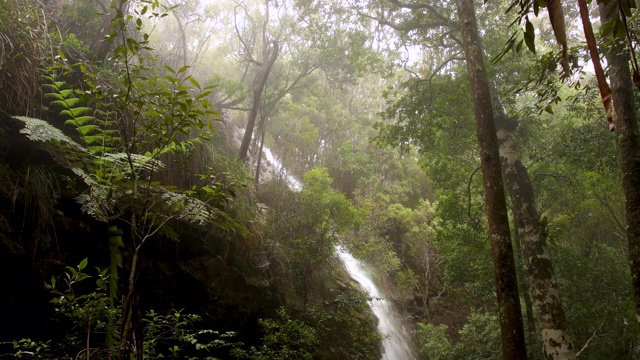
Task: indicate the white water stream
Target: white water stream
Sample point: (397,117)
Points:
(395,344)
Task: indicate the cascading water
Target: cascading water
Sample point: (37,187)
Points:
(294,184)
(395,345)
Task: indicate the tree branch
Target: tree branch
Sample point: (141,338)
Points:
(404,27)
(432,10)
(595,333)
(604,202)
(469,192)
(555,176)
(443,64)
(246,47)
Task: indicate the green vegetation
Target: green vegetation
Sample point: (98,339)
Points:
(138,221)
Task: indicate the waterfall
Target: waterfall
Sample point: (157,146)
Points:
(278,168)
(394,343)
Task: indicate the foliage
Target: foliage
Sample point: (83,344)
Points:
(124,129)
(285,338)
(479,339)
(595,287)
(433,342)
(307,228)
(29,349)
(100,201)
(77,21)
(172,336)
(23,44)
(340,328)
(346,327)
(130,122)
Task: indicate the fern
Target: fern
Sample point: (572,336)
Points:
(40,130)
(94,132)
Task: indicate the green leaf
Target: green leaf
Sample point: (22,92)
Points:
(203,94)
(66,93)
(76,112)
(530,36)
(71,102)
(94,139)
(625,6)
(83,264)
(88,129)
(194,82)
(81,120)
(60,102)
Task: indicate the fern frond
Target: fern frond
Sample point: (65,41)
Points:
(71,102)
(50,87)
(140,162)
(71,112)
(40,130)
(86,129)
(112,133)
(188,208)
(79,121)
(66,93)
(56,96)
(78,111)
(102,149)
(92,139)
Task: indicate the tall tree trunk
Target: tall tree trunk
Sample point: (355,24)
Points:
(628,134)
(99,47)
(513,344)
(532,233)
(265,69)
(183,45)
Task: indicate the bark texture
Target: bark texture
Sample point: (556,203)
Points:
(628,134)
(557,342)
(512,334)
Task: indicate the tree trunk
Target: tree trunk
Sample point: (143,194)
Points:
(183,47)
(99,47)
(512,333)
(628,134)
(532,233)
(525,290)
(259,162)
(265,69)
